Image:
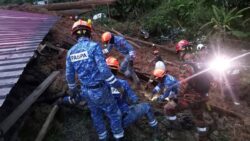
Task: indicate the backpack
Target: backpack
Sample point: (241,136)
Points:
(200,83)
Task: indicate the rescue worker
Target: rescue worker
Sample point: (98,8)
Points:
(126,49)
(193,93)
(130,112)
(86,59)
(167,84)
(185,51)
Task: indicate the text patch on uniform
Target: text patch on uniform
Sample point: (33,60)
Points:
(79,56)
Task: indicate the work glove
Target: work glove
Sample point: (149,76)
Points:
(132,55)
(75,92)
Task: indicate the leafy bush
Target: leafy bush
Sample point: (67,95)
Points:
(177,13)
(223,20)
(229,4)
(132,8)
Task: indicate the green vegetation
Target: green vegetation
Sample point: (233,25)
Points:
(223,20)
(132,8)
(164,17)
(195,16)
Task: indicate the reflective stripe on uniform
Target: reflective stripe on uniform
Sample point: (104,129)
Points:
(110,78)
(171,117)
(71,86)
(112,82)
(102,135)
(201,129)
(120,135)
(153,123)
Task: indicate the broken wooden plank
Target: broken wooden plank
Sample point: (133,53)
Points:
(23,107)
(46,124)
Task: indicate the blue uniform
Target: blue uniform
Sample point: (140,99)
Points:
(169,85)
(87,60)
(133,112)
(126,49)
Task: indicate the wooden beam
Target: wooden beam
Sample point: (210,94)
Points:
(23,107)
(73,11)
(77,5)
(46,124)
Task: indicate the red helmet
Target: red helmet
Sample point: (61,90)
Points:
(80,24)
(181,44)
(113,63)
(106,37)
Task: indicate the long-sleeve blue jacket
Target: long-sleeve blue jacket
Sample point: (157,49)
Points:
(121,45)
(168,84)
(87,60)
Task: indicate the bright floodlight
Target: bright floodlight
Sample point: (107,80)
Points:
(220,64)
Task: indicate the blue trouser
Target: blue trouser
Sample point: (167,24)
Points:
(138,111)
(126,68)
(101,101)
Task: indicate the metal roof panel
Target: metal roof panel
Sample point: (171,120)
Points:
(20,35)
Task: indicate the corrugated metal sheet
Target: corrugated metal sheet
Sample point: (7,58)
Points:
(20,35)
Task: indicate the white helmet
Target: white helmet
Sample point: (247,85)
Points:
(200,46)
(160,65)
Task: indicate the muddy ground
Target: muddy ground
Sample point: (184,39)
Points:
(74,124)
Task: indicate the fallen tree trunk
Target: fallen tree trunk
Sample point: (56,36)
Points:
(73,11)
(77,5)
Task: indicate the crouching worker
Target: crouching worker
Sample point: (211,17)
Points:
(126,49)
(167,83)
(130,112)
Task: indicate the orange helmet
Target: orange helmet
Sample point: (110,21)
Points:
(181,45)
(159,73)
(106,37)
(81,24)
(113,63)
